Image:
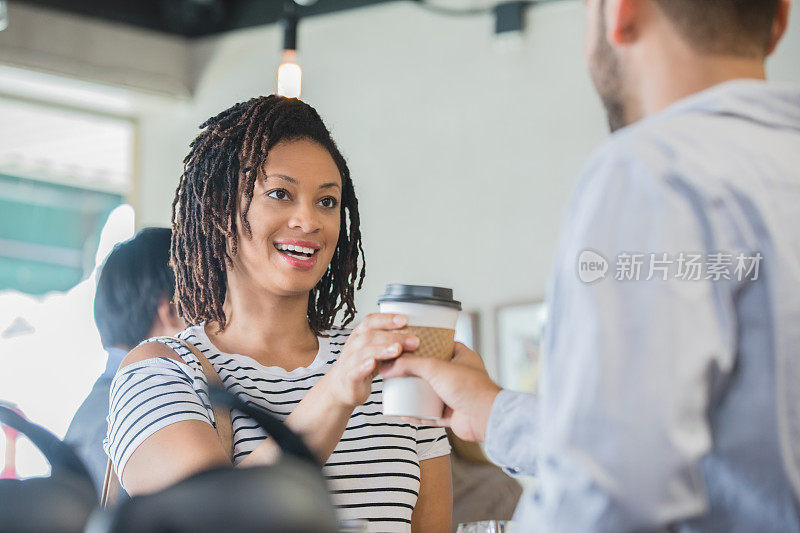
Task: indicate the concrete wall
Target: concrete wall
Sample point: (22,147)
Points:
(463,152)
(83,48)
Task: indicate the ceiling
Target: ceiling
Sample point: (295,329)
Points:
(193,18)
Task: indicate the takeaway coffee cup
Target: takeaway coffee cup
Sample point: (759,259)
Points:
(432,314)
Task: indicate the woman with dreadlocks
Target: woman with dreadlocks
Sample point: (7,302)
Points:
(266,248)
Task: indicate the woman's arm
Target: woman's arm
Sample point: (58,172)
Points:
(187,447)
(319,418)
(434,509)
(322,415)
(190,446)
(184,448)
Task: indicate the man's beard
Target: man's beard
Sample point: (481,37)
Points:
(606,72)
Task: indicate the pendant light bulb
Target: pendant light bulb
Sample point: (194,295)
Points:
(290,75)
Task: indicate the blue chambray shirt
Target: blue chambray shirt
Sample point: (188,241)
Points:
(673,402)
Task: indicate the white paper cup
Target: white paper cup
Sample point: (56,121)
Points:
(412,396)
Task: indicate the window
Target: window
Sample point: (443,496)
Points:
(49,233)
(64,178)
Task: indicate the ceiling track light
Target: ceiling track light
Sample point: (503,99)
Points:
(290,75)
(508,14)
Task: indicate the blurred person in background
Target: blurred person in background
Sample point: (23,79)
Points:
(266,249)
(670,397)
(11,435)
(133,302)
(481,490)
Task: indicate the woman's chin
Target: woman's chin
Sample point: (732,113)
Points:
(278,275)
(295,285)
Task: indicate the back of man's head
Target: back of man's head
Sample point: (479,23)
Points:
(726,27)
(134,279)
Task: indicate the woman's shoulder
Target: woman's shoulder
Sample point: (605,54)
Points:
(155,349)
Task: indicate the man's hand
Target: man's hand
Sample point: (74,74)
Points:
(463,384)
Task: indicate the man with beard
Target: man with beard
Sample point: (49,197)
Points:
(670,388)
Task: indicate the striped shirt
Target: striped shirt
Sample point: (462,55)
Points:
(372,474)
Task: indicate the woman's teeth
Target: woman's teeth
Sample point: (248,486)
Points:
(299,252)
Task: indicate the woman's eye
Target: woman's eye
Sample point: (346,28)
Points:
(278,194)
(329,201)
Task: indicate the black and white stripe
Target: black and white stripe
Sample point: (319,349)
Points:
(374,471)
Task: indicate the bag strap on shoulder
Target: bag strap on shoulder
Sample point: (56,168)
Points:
(222,420)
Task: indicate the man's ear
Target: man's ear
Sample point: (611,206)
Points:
(779,24)
(166,321)
(623,19)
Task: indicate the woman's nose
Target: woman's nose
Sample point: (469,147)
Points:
(305,218)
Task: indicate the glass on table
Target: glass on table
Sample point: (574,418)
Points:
(487,526)
(357,525)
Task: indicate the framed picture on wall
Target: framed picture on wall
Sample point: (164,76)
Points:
(519,337)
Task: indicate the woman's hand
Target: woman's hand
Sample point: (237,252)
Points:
(349,382)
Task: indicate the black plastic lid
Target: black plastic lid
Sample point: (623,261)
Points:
(420,294)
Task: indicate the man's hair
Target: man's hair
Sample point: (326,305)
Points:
(224,161)
(133,279)
(730,27)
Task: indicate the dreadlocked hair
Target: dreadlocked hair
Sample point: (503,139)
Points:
(219,173)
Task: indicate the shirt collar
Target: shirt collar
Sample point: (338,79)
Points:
(115,357)
(775,104)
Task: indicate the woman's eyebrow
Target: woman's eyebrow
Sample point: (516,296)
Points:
(283,177)
(290,179)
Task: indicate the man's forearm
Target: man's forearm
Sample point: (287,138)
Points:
(512,432)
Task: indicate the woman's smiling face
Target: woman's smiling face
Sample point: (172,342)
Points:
(295,220)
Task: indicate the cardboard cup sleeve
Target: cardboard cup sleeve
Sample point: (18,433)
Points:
(433,342)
